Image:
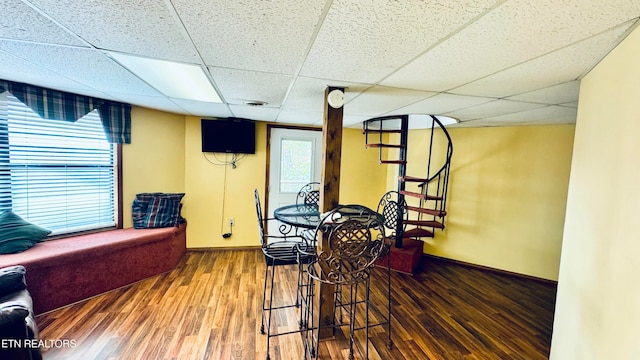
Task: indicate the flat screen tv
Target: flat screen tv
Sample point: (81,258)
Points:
(230,135)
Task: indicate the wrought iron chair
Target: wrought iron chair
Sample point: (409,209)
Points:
(279,250)
(393,208)
(354,239)
(309,194)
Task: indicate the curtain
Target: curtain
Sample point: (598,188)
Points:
(59,105)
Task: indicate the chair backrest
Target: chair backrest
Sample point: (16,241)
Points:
(309,194)
(393,208)
(263,240)
(355,240)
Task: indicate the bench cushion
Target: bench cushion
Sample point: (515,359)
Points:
(63,271)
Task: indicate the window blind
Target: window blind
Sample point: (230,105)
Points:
(61,175)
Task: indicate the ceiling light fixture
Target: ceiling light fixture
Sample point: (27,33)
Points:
(447,120)
(173,79)
(255,102)
(425,119)
(336,98)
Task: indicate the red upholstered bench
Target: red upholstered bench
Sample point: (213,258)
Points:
(63,271)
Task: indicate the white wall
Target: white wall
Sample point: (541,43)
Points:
(598,304)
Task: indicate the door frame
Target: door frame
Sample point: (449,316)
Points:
(265,190)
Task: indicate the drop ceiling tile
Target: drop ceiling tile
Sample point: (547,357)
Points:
(363,41)
(573,104)
(443,103)
(557,94)
(237,86)
(492,108)
(563,65)
(270,36)
(512,33)
(317,118)
(20,70)
(308,93)
(142,27)
(379,100)
(203,108)
(72,63)
(294,116)
(258,113)
(151,102)
(19,21)
(548,115)
(353,121)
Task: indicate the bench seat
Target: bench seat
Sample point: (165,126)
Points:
(63,271)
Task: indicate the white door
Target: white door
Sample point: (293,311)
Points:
(296,160)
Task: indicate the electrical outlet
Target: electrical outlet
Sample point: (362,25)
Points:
(232,221)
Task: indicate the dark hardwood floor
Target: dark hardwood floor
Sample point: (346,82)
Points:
(209,308)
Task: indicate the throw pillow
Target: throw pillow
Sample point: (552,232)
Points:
(17,234)
(16,246)
(162,212)
(139,213)
(140,208)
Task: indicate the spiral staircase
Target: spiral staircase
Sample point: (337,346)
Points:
(424,194)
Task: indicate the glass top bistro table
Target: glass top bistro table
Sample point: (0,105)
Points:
(306,216)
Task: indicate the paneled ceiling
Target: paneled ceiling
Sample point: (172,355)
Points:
(483,62)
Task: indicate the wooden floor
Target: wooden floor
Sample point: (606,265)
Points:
(209,308)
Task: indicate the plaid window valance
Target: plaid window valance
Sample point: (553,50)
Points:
(59,105)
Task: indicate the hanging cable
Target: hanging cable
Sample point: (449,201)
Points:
(224,195)
(224,162)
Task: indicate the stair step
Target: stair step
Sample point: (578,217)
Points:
(393,162)
(433,212)
(396,146)
(412,179)
(417,232)
(420,195)
(428,223)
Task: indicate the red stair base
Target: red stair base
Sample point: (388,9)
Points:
(405,259)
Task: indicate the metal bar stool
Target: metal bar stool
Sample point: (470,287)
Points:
(279,250)
(355,239)
(393,208)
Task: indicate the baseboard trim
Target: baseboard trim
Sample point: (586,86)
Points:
(224,248)
(494,270)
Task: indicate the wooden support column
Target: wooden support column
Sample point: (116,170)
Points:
(329,193)
(331,152)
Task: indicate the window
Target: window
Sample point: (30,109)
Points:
(296,166)
(57,174)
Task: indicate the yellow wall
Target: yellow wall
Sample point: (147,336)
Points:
(507,196)
(216,193)
(506,205)
(362,179)
(598,304)
(154,161)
